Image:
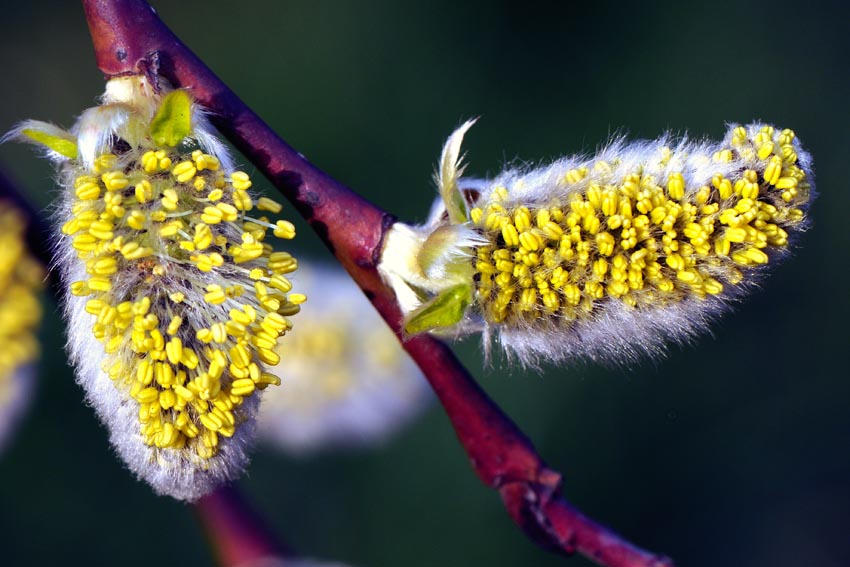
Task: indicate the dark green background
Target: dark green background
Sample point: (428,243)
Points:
(733,451)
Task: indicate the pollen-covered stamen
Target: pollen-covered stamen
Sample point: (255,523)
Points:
(626,234)
(152,227)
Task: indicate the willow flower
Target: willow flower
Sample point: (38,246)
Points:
(175,300)
(21,278)
(606,257)
(348,381)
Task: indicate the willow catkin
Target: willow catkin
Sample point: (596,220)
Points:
(175,300)
(607,257)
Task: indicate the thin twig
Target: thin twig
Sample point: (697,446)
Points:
(129,38)
(237,535)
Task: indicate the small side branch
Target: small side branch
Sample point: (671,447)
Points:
(129,38)
(236,534)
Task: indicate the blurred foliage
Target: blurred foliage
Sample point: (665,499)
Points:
(733,451)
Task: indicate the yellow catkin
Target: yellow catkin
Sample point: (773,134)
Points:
(641,240)
(141,214)
(21,278)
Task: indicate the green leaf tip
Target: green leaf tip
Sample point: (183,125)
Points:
(58,144)
(443,311)
(173,120)
(449,172)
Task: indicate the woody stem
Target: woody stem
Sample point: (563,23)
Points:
(129,38)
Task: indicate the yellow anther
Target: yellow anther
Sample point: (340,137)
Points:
(756,256)
(242,200)
(171,229)
(149,161)
(215,294)
(205,161)
(510,235)
(575,175)
(148,395)
(136,220)
(89,191)
(786,183)
(105,162)
(529,241)
(133,251)
(79,288)
(169,200)
(675,261)
(174,325)
(723,156)
(296,298)
(212,215)
(114,180)
(242,387)
(104,267)
(736,235)
(235,329)
(144,191)
(688,276)
(279,282)
(184,171)
(228,211)
(268,356)
(765,150)
(240,180)
(282,263)
(676,186)
(605,242)
(284,229)
(266,204)
(98,283)
(240,356)
(203,237)
(101,230)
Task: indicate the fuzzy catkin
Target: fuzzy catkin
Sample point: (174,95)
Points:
(608,257)
(21,282)
(175,301)
(348,381)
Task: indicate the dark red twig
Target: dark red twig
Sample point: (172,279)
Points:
(236,534)
(130,39)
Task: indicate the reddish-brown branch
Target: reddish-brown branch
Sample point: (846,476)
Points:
(129,38)
(236,534)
